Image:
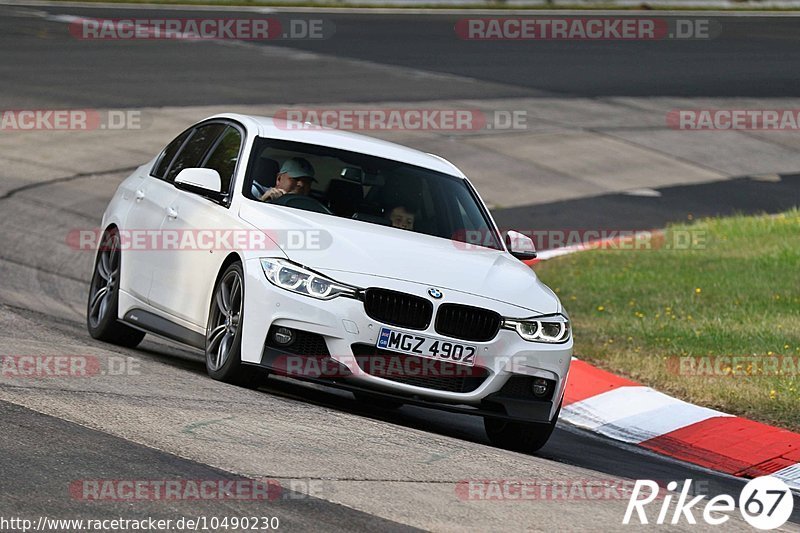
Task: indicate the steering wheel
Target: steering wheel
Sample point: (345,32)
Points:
(299,201)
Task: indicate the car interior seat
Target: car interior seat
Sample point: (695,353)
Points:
(344,197)
(265,174)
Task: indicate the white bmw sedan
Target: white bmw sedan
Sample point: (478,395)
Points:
(327,256)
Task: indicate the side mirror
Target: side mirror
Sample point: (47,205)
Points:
(202,180)
(520,245)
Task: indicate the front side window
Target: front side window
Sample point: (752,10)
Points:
(225,155)
(168,154)
(192,153)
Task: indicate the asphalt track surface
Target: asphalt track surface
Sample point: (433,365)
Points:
(755,57)
(42,66)
(35,442)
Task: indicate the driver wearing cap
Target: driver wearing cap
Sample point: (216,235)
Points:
(294,177)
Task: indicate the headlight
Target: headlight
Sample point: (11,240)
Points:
(551,328)
(294,278)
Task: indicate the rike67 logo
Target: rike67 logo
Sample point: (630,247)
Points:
(765,503)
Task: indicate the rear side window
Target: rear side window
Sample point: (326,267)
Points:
(195,148)
(166,157)
(225,155)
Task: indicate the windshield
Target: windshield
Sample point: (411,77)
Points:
(367,189)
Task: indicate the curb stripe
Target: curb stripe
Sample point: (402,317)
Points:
(585,381)
(791,475)
(626,411)
(733,445)
(635,414)
(590,245)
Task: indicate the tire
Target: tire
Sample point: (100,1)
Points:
(102,307)
(378,401)
(525,437)
(224,332)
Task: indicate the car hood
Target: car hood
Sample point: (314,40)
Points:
(350,246)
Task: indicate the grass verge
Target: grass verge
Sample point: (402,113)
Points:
(669,317)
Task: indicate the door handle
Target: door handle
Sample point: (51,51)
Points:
(139,194)
(172,212)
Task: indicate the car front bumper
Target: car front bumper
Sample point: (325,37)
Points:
(343,323)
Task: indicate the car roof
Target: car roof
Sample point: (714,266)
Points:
(294,131)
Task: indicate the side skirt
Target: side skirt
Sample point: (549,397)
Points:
(157,325)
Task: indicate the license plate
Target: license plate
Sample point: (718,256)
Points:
(398,341)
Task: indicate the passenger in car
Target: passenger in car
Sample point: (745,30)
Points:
(294,177)
(402,217)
